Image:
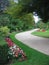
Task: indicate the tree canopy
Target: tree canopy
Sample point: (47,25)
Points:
(41,7)
(3,5)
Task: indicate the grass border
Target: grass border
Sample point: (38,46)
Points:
(34,57)
(41,34)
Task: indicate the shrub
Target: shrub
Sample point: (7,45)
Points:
(12,28)
(4,20)
(43,30)
(3,54)
(4,30)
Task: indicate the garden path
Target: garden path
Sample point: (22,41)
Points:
(35,42)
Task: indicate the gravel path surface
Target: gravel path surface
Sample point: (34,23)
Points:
(35,42)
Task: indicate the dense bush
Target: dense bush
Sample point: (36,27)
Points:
(4,30)
(3,54)
(41,25)
(4,20)
(47,25)
(25,22)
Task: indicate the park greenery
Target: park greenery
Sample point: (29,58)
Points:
(33,56)
(18,17)
(42,33)
(42,25)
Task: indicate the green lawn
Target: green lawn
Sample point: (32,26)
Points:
(41,34)
(33,57)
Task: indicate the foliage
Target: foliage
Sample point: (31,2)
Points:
(25,22)
(20,20)
(3,54)
(5,31)
(41,7)
(7,20)
(28,18)
(15,11)
(47,25)
(4,20)
(2,41)
(3,5)
(41,25)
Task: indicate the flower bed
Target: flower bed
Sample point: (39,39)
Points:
(15,50)
(43,30)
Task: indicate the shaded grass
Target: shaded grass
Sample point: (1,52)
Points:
(41,34)
(33,57)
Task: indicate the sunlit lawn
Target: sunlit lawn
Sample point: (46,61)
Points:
(33,57)
(41,34)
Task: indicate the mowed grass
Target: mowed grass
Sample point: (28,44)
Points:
(2,40)
(33,57)
(41,34)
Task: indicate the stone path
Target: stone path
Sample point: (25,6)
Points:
(35,42)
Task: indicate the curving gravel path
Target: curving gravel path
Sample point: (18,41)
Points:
(35,42)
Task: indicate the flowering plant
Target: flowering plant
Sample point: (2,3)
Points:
(15,50)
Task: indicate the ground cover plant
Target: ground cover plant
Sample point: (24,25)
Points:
(42,33)
(3,51)
(33,57)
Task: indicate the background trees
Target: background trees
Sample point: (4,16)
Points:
(41,7)
(41,25)
(28,20)
(18,14)
(20,19)
(3,5)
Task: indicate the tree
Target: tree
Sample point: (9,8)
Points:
(28,19)
(41,7)
(26,22)
(3,5)
(15,10)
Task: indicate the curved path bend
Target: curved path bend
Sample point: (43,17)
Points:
(35,42)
